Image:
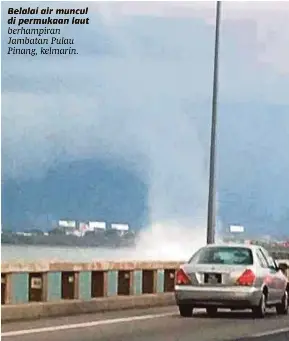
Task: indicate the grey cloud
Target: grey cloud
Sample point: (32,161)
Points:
(180,50)
(134,103)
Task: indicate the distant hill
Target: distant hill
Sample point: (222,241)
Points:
(87,190)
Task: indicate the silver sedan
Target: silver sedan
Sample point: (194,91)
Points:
(232,276)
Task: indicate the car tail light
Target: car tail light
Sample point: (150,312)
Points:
(182,278)
(247,278)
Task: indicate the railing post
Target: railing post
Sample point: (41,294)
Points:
(131,283)
(76,285)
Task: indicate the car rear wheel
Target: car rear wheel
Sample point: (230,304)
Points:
(212,311)
(282,308)
(260,310)
(186,310)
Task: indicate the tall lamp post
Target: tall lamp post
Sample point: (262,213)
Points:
(212,187)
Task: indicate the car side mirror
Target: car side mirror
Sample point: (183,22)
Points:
(283,267)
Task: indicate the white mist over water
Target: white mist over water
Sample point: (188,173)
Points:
(169,242)
(177,175)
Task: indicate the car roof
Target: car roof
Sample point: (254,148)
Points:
(247,246)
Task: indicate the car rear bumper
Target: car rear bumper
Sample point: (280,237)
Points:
(226,297)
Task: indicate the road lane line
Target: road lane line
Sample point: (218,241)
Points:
(84,324)
(271,332)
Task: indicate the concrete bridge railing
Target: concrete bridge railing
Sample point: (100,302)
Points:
(43,282)
(33,290)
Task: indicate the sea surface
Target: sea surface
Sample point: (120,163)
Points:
(163,243)
(76,254)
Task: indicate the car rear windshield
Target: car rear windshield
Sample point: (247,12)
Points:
(223,255)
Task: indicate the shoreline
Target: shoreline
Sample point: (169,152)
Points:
(68,241)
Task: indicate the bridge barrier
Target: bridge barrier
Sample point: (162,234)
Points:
(33,290)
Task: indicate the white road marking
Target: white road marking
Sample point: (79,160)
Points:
(85,324)
(271,332)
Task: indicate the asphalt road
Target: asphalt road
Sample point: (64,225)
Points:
(158,324)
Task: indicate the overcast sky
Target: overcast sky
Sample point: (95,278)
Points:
(128,94)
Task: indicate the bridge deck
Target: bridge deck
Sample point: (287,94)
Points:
(157,324)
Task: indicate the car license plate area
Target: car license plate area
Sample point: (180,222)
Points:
(212,278)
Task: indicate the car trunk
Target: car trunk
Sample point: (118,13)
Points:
(214,274)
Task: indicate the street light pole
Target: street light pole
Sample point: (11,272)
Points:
(212,190)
